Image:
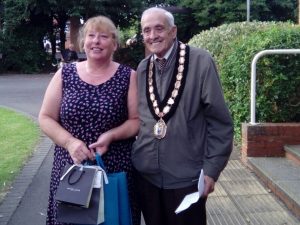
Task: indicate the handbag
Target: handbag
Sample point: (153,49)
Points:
(116,200)
(75,186)
(93,214)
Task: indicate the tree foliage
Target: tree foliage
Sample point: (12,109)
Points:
(212,13)
(31,20)
(47,18)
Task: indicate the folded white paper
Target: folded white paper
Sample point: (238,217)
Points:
(192,198)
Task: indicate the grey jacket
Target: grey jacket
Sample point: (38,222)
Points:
(199,134)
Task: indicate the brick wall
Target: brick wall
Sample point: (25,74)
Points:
(268,139)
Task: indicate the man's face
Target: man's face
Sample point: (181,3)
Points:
(157,33)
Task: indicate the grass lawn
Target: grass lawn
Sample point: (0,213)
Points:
(18,137)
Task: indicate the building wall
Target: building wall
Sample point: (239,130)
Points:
(268,139)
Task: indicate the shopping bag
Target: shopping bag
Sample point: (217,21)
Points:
(75,186)
(116,200)
(67,213)
(94,214)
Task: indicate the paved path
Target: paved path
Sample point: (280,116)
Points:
(27,201)
(239,197)
(23,92)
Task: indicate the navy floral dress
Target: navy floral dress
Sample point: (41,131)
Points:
(86,112)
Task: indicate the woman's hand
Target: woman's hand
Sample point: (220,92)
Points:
(79,151)
(102,144)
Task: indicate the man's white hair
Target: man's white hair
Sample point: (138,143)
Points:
(169,16)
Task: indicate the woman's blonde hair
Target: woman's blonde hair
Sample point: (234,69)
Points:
(100,24)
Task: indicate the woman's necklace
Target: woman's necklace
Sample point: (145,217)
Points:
(160,127)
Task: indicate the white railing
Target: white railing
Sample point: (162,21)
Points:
(253,74)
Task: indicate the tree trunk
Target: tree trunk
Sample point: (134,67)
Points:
(299,12)
(74,31)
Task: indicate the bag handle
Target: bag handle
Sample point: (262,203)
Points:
(72,173)
(100,161)
(101,166)
(69,170)
(72,169)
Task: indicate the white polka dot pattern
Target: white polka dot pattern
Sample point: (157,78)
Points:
(87,111)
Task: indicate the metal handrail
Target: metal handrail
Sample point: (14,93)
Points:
(253,74)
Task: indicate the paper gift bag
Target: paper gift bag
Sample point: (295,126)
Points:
(67,213)
(93,215)
(75,186)
(116,200)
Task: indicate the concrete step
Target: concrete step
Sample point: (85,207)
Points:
(292,152)
(282,177)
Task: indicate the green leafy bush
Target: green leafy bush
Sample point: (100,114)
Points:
(278,80)
(23,51)
(216,39)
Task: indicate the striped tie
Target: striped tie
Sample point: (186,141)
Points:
(161,63)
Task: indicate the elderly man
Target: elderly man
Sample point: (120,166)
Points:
(185,124)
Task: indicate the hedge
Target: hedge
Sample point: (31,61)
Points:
(278,80)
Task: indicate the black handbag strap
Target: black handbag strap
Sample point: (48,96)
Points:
(81,172)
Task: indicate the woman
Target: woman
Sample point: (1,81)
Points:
(92,106)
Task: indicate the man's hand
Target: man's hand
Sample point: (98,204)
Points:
(209,186)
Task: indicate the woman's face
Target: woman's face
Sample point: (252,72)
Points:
(99,44)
